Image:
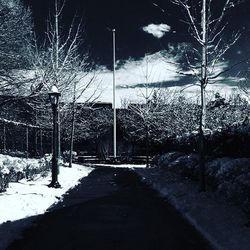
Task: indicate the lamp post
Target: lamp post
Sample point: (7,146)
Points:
(54,95)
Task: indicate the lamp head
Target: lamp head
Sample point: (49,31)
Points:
(54,95)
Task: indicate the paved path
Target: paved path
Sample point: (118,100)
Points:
(111,210)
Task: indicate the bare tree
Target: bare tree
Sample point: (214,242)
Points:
(150,108)
(59,62)
(92,124)
(144,109)
(146,117)
(207,27)
(76,95)
(15,33)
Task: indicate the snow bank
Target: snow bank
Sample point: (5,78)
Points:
(13,169)
(27,198)
(218,221)
(228,177)
(24,200)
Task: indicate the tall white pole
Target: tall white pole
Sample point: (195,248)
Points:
(114,85)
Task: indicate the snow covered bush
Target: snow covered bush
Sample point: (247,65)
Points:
(15,153)
(186,165)
(166,159)
(3,182)
(233,180)
(228,177)
(66,155)
(4,171)
(13,169)
(45,161)
(34,167)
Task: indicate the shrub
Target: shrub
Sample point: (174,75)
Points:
(4,171)
(13,169)
(186,165)
(167,158)
(66,155)
(228,177)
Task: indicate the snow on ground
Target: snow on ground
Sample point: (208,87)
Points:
(219,222)
(30,198)
(222,224)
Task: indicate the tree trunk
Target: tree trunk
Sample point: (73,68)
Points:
(57,37)
(147,147)
(202,150)
(57,13)
(36,134)
(72,132)
(72,135)
(27,142)
(203,98)
(96,147)
(36,142)
(4,138)
(41,143)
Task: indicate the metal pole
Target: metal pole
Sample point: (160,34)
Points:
(114,85)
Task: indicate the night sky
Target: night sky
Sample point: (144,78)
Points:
(128,17)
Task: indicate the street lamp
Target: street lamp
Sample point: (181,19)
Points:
(54,95)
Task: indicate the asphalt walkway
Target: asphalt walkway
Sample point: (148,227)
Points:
(111,210)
